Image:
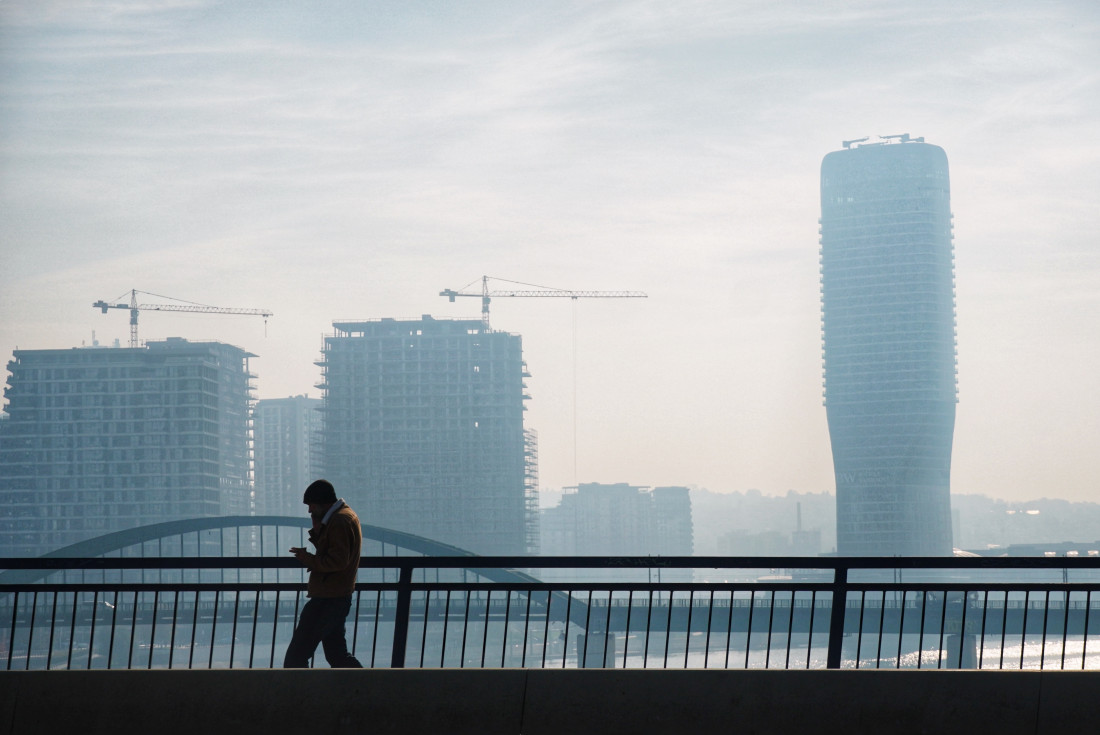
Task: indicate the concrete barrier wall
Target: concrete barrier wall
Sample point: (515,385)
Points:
(534,702)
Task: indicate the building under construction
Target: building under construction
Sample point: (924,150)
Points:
(423,431)
(103,439)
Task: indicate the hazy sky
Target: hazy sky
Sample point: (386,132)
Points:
(336,160)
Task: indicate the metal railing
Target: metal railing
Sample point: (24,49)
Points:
(622,612)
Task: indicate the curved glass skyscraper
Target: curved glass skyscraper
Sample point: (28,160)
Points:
(888,318)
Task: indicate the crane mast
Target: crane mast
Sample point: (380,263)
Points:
(486,295)
(135,308)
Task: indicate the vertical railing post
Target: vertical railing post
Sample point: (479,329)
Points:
(836,618)
(401,616)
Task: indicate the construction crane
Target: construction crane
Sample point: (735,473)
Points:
(187,306)
(486,295)
(542,291)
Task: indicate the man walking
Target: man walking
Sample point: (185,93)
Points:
(338,539)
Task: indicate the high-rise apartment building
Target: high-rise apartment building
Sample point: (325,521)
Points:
(104,439)
(288,435)
(673,528)
(423,431)
(888,317)
(619,519)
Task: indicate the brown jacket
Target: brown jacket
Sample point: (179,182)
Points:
(339,544)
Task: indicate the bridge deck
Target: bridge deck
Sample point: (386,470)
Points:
(533,702)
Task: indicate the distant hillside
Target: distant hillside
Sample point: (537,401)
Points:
(751,522)
(982,522)
(750,519)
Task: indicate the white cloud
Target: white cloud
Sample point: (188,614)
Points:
(348,160)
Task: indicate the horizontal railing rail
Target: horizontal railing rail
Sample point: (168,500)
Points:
(624,612)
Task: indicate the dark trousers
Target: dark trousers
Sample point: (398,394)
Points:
(322,621)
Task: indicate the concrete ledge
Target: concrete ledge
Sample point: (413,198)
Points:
(782,701)
(537,702)
(269,701)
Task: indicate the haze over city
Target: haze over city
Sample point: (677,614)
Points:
(346,160)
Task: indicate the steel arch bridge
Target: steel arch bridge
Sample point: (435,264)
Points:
(119,540)
(237,536)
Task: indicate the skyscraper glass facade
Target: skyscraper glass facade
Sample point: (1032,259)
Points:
(888,318)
